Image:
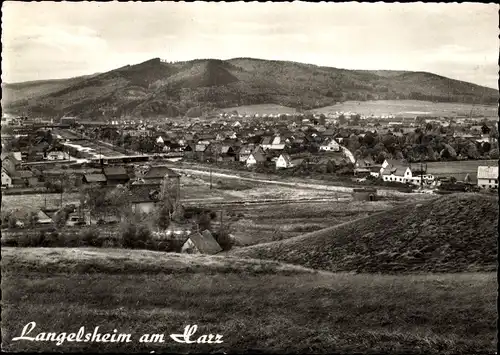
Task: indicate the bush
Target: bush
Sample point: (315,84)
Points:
(52,240)
(224,239)
(72,240)
(12,222)
(135,236)
(128,231)
(24,241)
(90,237)
(38,239)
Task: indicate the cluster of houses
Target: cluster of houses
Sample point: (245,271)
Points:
(13,175)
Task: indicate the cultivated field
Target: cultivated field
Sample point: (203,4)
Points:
(260,109)
(256,306)
(410,108)
(30,201)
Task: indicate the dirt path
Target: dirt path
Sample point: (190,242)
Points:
(220,201)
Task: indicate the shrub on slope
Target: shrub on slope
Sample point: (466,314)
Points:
(451,234)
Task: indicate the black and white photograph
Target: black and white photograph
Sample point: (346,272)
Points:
(245,177)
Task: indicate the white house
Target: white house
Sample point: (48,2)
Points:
(330,145)
(284,161)
(487,176)
(159,140)
(404,174)
(6,178)
(57,155)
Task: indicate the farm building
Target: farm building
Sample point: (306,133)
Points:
(365,194)
(330,145)
(202,243)
(157,174)
(487,176)
(116,175)
(257,156)
(284,161)
(144,198)
(6,178)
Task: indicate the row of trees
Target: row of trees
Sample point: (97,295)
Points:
(420,145)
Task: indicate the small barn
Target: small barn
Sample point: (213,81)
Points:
(201,243)
(365,194)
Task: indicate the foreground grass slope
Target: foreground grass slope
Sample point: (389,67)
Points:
(273,308)
(451,234)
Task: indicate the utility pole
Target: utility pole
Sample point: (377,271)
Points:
(421,176)
(220,228)
(210,178)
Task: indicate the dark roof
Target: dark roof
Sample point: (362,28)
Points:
(205,242)
(95,177)
(160,172)
(24,174)
(115,172)
(258,155)
(144,193)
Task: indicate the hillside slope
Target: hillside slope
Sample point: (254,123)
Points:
(156,88)
(451,234)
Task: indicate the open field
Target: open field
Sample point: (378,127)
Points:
(256,306)
(256,224)
(50,201)
(260,109)
(196,186)
(410,108)
(458,169)
(456,233)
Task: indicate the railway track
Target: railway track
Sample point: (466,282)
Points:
(204,202)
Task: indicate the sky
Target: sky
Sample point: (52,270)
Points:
(51,40)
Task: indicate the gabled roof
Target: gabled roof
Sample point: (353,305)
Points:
(267,140)
(277,147)
(487,172)
(225,149)
(95,178)
(287,158)
(43,218)
(115,172)
(159,172)
(258,155)
(398,169)
(205,242)
(15,157)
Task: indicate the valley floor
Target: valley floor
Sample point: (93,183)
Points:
(257,306)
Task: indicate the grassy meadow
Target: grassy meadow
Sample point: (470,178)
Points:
(257,306)
(410,108)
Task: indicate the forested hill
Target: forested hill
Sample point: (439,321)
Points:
(157,87)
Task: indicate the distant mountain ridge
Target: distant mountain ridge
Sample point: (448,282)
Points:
(159,88)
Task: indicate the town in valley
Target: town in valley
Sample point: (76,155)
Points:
(253,177)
